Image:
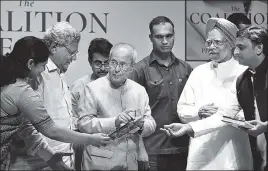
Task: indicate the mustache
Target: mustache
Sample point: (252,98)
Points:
(212,51)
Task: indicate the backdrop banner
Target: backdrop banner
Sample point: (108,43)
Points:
(117,21)
(198,12)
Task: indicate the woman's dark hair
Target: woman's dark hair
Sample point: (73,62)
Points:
(14,65)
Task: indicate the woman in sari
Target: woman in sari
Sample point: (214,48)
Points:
(18,100)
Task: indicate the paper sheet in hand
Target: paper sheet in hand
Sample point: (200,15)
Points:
(237,123)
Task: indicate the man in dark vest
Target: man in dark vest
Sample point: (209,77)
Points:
(252,88)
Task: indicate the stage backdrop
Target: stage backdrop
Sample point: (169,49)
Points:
(121,21)
(118,21)
(198,12)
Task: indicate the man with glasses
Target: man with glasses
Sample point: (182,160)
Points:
(109,103)
(206,97)
(98,58)
(62,40)
(163,75)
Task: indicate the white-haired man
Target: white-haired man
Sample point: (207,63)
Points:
(108,103)
(62,40)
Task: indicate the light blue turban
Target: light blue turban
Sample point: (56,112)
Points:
(227,28)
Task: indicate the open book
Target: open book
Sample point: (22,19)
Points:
(128,128)
(237,123)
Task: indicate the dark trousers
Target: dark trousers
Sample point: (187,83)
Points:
(78,151)
(170,162)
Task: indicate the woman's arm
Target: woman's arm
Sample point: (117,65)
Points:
(66,135)
(31,106)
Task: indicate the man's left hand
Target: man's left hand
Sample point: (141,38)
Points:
(259,127)
(207,110)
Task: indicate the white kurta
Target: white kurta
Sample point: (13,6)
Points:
(98,108)
(215,145)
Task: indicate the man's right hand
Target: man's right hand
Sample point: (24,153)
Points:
(207,110)
(124,117)
(177,129)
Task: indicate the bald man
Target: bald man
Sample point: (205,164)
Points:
(110,102)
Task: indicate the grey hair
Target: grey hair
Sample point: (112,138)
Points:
(61,33)
(127,46)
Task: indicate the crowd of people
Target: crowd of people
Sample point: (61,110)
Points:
(178,110)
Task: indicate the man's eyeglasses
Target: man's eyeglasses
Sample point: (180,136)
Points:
(99,64)
(72,53)
(122,65)
(216,43)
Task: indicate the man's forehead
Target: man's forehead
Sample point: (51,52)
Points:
(121,54)
(163,28)
(120,50)
(215,34)
(100,57)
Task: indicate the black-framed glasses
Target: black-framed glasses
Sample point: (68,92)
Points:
(216,43)
(98,64)
(72,53)
(122,65)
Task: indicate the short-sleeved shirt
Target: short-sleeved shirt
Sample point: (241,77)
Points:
(16,100)
(164,86)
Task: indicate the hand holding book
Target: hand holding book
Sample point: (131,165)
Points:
(237,122)
(128,124)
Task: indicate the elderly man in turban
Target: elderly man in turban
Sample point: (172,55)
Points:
(207,95)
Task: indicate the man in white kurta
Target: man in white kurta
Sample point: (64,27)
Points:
(102,104)
(215,144)
(228,147)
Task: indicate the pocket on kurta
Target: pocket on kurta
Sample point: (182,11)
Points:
(104,153)
(98,159)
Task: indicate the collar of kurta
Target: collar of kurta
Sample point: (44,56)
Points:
(153,59)
(227,69)
(261,69)
(51,66)
(216,65)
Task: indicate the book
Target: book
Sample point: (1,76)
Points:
(237,122)
(128,128)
